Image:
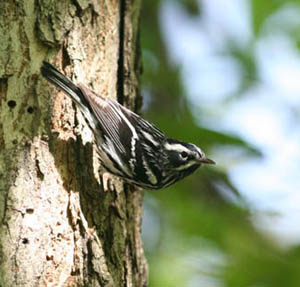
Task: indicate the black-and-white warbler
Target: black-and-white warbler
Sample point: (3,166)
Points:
(129,146)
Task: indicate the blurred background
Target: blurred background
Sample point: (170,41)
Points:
(225,75)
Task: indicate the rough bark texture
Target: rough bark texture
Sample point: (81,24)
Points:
(58,227)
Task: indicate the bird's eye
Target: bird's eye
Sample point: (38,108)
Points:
(184,154)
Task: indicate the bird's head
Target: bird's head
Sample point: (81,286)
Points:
(184,156)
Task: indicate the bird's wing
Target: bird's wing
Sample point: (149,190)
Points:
(113,120)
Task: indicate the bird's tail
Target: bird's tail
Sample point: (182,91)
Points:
(63,83)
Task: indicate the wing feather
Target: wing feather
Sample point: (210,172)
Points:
(112,120)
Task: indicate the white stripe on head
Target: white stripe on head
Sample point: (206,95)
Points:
(201,153)
(185,166)
(176,147)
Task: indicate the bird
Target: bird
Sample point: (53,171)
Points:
(129,147)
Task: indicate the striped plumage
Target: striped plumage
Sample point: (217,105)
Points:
(129,146)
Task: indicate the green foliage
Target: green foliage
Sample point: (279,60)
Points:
(261,10)
(204,218)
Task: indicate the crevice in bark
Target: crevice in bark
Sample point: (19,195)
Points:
(120,81)
(138,67)
(3,89)
(66,61)
(78,8)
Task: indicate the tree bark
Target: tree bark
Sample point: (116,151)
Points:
(58,226)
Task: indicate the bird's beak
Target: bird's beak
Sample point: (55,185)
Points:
(206,160)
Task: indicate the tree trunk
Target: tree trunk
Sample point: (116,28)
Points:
(58,226)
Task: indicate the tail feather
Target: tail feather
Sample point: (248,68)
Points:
(63,83)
